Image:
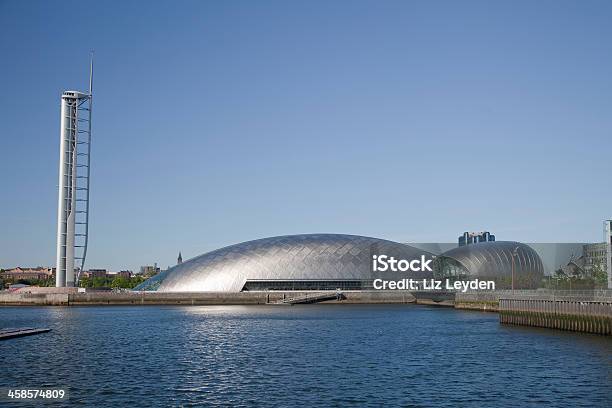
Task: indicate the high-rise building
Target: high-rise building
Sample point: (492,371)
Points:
(608,241)
(594,256)
(149,270)
(474,237)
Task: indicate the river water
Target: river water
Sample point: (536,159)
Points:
(329,355)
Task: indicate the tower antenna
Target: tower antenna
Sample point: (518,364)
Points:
(91,61)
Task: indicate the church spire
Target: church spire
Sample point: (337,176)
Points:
(179,260)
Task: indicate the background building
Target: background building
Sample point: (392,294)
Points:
(96,273)
(149,270)
(608,241)
(474,237)
(125,274)
(594,256)
(23,273)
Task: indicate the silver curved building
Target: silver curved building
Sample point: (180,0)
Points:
(293,262)
(492,261)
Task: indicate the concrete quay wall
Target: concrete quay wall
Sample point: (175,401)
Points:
(481,301)
(192,298)
(34,299)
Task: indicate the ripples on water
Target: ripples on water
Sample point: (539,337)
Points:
(302,355)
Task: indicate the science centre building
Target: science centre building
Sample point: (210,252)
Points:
(336,261)
(498,261)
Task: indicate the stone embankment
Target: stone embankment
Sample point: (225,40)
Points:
(74,298)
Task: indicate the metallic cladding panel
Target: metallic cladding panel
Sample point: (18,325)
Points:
(295,257)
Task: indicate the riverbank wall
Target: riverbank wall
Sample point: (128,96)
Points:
(488,301)
(97,298)
(480,301)
(587,314)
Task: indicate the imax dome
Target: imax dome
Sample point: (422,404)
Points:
(294,262)
(492,261)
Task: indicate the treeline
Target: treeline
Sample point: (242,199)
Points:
(118,282)
(31,282)
(597,279)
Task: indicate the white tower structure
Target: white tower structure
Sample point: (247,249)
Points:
(73,193)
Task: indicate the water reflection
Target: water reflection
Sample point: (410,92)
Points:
(313,354)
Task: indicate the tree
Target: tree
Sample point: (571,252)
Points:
(599,275)
(85,282)
(120,282)
(560,275)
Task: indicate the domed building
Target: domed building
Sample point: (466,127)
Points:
(494,261)
(294,262)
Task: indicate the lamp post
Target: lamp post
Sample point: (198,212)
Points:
(514,253)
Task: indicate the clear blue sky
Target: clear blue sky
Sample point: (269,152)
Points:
(219,122)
